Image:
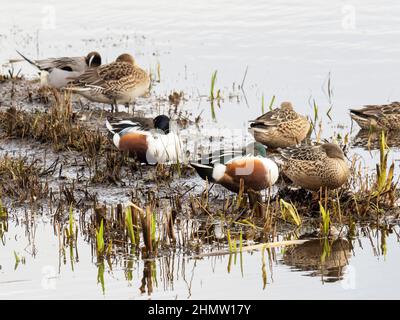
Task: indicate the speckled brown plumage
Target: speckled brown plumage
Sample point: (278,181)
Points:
(119,82)
(281,127)
(313,167)
(385,116)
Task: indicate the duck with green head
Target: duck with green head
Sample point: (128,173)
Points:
(248,164)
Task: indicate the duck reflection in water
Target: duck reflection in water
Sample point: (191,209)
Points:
(325,259)
(371,139)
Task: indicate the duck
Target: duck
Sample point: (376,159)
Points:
(308,257)
(379,117)
(228,168)
(58,72)
(313,167)
(149,143)
(119,82)
(280,128)
(371,139)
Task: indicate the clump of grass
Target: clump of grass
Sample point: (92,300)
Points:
(289,212)
(148,223)
(384,179)
(21,179)
(58,126)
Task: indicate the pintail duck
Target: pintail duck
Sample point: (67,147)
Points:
(119,82)
(313,167)
(228,168)
(385,116)
(148,143)
(57,72)
(281,127)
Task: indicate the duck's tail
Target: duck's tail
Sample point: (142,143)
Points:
(205,171)
(118,126)
(113,133)
(30,61)
(362,119)
(357,112)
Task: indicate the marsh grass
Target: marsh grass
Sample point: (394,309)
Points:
(289,213)
(3,211)
(129,225)
(21,179)
(18,259)
(100,276)
(325,220)
(100,239)
(214,96)
(385,184)
(271,103)
(59,127)
(262,104)
(71,232)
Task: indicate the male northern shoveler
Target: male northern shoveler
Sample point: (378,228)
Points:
(149,145)
(119,82)
(313,167)
(281,127)
(385,116)
(59,71)
(227,169)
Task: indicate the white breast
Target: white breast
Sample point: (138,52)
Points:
(165,147)
(58,78)
(272,168)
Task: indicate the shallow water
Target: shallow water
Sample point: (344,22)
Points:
(290,50)
(359,269)
(288,47)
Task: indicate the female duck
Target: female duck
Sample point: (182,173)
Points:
(385,116)
(313,167)
(281,127)
(119,82)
